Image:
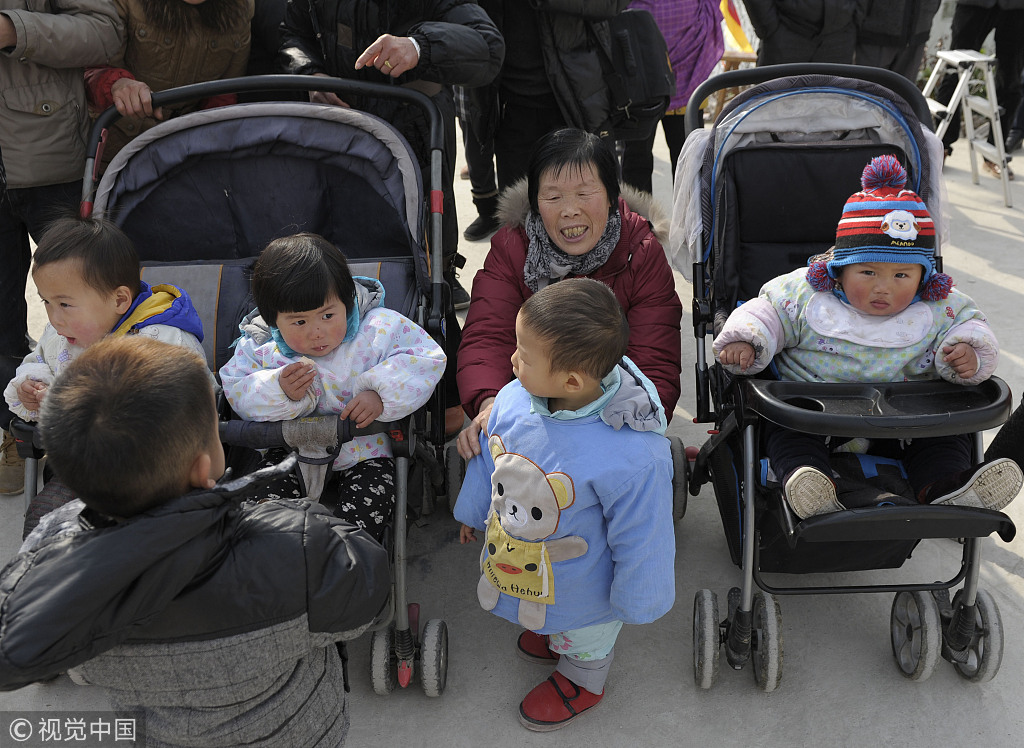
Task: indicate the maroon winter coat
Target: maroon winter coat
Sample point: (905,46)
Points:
(636,271)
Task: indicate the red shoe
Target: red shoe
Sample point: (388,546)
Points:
(534,648)
(555,703)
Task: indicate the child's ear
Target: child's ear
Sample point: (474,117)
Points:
(574,382)
(122,299)
(199,475)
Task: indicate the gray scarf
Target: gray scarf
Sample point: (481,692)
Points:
(546,262)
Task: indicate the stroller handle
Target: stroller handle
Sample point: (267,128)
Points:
(694,118)
(253,83)
(270,434)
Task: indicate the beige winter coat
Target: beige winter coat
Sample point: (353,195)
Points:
(169,43)
(43,119)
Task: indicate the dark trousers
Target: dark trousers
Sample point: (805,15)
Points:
(970,27)
(24,212)
(925,459)
(520,128)
(638,155)
(480,161)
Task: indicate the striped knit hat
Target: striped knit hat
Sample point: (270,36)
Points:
(884,222)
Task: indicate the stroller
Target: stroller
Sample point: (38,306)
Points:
(758,194)
(202,194)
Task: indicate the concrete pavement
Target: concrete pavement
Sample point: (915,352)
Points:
(839,685)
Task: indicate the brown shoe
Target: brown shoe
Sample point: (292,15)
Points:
(995,170)
(12,467)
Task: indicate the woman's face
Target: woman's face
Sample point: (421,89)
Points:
(573,205)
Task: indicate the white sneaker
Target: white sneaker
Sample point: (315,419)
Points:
(990,485)
(811,492)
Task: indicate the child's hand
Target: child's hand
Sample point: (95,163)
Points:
(31,393)
(364,408)
(962,358)
(739,353)
(296,379)
(467,535)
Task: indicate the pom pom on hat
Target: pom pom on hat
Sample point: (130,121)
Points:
(937,287)
(818,277)
(883,171)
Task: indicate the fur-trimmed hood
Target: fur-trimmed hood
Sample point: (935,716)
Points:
(514,205)
(178,17)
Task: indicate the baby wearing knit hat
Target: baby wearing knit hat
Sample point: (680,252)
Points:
(872,309)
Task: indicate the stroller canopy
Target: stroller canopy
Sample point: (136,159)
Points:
(221,183)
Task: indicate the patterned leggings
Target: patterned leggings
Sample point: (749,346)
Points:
(363,494)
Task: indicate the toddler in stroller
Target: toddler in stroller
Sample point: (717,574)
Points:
(86,272)
(319,341)
(872,308)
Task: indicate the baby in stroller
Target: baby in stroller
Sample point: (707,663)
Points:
(872,308)
(320,342)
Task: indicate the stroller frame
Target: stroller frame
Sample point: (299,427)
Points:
(397,644)
(922,613)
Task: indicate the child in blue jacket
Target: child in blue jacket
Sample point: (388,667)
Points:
(573,490)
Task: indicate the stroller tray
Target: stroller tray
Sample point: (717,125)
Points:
(905,523)
(881,410)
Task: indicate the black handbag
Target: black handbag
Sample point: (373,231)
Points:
(638,74)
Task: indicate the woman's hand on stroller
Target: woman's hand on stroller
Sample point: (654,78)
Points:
(962,358)
(296,379)
(364,408)
(738,354)
(133,98)
(468,442)
(326,97)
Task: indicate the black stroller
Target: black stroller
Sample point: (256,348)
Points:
(761,192)
(202,194)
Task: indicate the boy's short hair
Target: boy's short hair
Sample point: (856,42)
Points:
(104,253)
(297,273)
(124,422)
(574,149)
(582,324)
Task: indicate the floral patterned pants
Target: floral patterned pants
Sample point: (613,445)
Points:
(363,494)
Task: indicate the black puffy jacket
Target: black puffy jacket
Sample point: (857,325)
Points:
(571,61)
(214,615)
(459,45)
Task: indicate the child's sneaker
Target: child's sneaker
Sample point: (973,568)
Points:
(12,467)
(811,492)
(990,485)
(533,647)
(555,703)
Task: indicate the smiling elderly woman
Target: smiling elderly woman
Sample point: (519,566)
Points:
(568,219)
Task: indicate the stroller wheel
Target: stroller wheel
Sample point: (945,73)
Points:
(454,472)
(382,660)
(985,652)
(680,477)
(766,642)
(915,626)
(705,639)
(434,657)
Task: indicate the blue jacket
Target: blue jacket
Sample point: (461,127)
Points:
(577,508)
(162,304)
